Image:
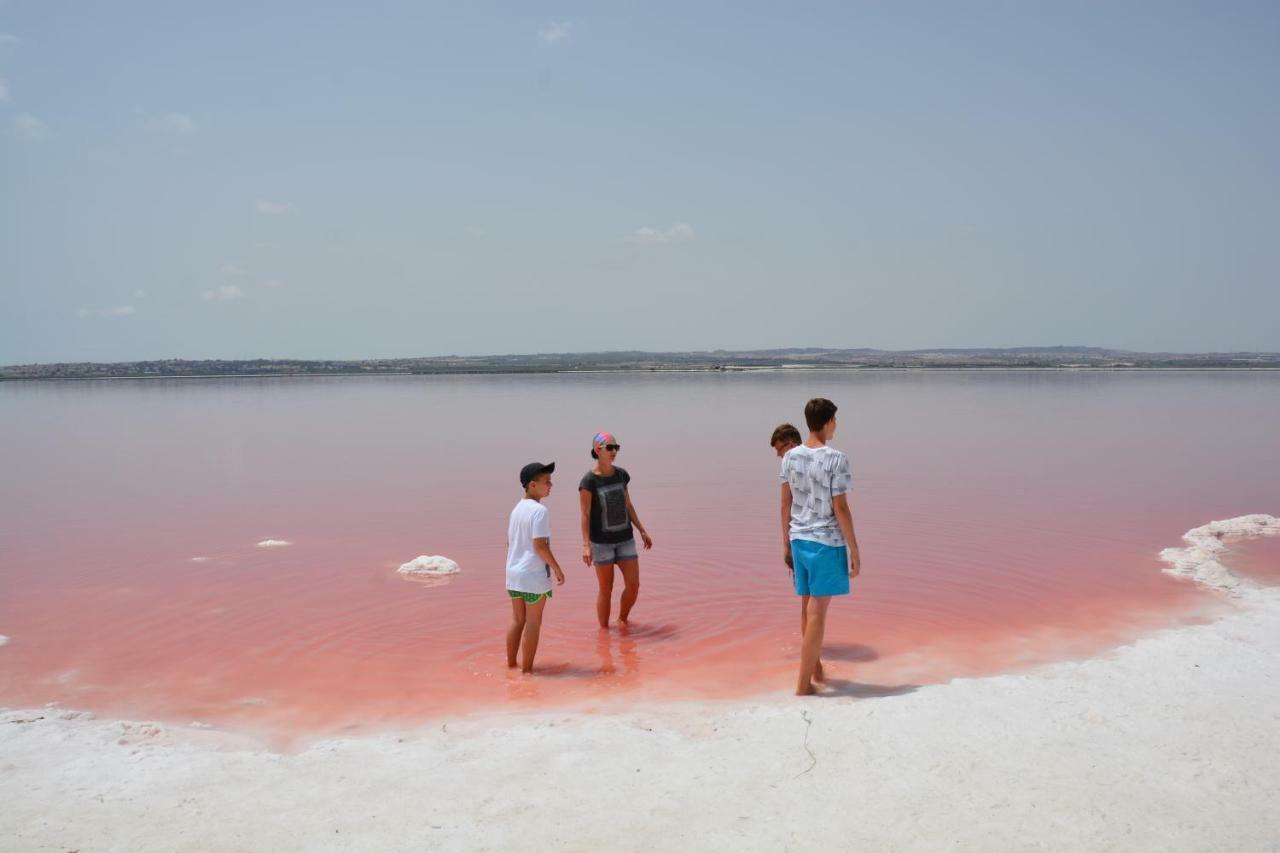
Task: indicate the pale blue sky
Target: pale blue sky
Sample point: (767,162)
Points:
(393,179)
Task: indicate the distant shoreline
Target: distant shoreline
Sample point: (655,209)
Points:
(717,361)
(639,370)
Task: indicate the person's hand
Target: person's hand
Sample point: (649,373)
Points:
(855,566)
(559,577)
(787,558)
(646,539)
(586,554)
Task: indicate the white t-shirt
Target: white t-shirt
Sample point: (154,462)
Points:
(815,475)
(526,571)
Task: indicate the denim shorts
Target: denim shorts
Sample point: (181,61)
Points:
(820,569)
(606,554)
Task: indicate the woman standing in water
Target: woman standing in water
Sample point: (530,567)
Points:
(608,519)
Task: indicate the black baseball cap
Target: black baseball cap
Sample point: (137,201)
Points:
(533,469)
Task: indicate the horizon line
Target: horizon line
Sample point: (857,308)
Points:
(790,350)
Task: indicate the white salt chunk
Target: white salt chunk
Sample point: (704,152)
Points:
(429,565)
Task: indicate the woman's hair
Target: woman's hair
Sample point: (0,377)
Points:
(818,412)
(785,434)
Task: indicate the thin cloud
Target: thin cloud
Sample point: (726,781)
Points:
(117,311)
(556,32)
(179,123)
(31,128)
(225,293)
(4,90)
(233,270)
(273,208)
(9,38)
(272,283)
(679,232)
(139,294)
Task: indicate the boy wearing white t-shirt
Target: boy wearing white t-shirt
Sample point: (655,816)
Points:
(529,563)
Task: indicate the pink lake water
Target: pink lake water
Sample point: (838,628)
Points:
(1006,519)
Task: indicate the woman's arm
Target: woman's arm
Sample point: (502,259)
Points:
(584,504)
(635,522)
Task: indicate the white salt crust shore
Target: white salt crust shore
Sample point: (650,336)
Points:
(1165,744)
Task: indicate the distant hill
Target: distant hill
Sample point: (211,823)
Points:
(1060,357)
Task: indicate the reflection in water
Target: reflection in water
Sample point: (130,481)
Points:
(626,663)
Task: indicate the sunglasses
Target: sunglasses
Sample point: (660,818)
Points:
(614,447)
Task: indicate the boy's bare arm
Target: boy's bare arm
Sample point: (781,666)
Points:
(844,517)
(635,521)
(543,547)
(584,503)
(786,522)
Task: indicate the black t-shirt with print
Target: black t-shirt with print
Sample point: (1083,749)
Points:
(610,521)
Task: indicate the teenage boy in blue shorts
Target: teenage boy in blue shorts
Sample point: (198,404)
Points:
(817,528)
(785,437)
(529,563)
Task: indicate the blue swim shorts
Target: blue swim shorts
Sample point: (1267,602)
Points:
(820,569)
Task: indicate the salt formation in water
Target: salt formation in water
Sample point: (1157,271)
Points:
(4,641)
(426,565)
(273,543)
(1199,561)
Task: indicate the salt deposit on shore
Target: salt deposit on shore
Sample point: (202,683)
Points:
(1199,561)
(1167,743)
(273,543)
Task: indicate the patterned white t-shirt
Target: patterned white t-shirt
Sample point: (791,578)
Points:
(815,475)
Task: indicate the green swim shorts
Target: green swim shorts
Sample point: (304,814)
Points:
(529,597)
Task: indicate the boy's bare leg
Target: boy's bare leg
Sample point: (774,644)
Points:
(814,628)
(532,629)
(604,598)
(514,631)
(631,588)
(804,620)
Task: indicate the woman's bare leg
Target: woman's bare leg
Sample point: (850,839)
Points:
(604,598)
(514,631)
(532,629)
(631,588)
(804,620)
(810,648)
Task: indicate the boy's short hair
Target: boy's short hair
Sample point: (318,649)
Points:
(818,412)
(785,434)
